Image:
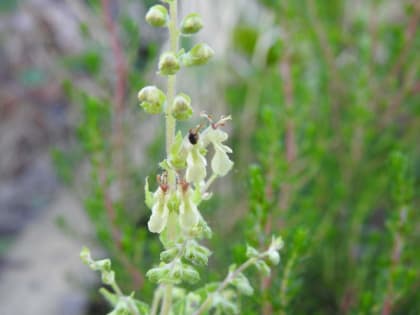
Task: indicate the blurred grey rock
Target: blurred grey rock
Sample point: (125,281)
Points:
(42,272)
(23,197)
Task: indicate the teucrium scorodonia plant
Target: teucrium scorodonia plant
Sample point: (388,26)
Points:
(182,185)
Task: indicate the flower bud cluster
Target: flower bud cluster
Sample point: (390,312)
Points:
(188,156)
(175,273)
(264,260)
(104,266)
(121,304)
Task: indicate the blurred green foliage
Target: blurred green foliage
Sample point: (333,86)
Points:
(325,117)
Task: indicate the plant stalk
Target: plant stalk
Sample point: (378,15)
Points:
(231,276)
(170,123)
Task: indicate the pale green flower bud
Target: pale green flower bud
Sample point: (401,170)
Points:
(108,277)
(169,254)
(151,99)
(190,274)
(200,54)
(157,16)
(85,256)
(251,252)
(168,64)
(273,257)
(202,230)
(242,284)
(177,271)
(191,24)
(158,274)
(181,108)
(103,265)
(276,243)
(197,254)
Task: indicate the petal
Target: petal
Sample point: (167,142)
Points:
(188,215)
(196,166)
(159,218)
(221,164)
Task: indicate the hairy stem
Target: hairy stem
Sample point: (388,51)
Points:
(167,300)
(171,127)
(171,89)
(156,301)
(119,93)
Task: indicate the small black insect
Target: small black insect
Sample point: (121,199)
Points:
(193,136)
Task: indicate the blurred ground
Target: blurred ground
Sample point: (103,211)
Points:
(41,273)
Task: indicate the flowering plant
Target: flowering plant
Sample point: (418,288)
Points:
(182,185)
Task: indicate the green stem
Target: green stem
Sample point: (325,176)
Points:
(116,289)
(156,300)
(171,88)
(229,278)
(167,300)
(171,126)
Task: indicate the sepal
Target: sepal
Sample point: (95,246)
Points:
(191,24)
(157,16)
(200,54)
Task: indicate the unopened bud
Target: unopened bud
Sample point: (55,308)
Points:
(273,257)
(181,108)
(197,254)
(108,277)
(151,99)
(191,24)
(262,267)
(168,64)
(242,284)
(157,274)
(85,256)
(189,274)
(169,254)
(157,16)
(103,265)
(200,54)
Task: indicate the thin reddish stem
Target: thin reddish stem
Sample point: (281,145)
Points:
(119,89)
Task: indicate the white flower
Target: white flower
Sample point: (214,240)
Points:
(189,215)
(196,165)
(220,164)
(160,212)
